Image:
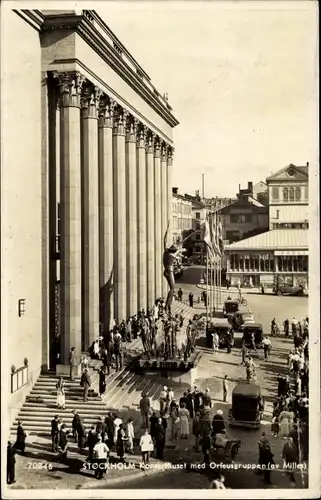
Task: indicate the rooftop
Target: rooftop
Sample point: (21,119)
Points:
(272,240)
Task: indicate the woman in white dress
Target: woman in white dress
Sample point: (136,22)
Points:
(84,363)
(286,418)
(184,421)
(61,393)
(117,423)
(146,446)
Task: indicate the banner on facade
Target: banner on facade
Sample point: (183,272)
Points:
(291,252)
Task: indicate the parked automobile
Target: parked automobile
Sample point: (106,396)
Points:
(247,406)
(240,317)
(230,307)
(248,330)
(288,290)
(224,331)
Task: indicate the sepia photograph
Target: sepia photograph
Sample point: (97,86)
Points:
(160,256)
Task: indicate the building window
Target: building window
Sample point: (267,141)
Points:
(241,263)
(247,218)
(305,263)
(198,237)
(295,264)
(272,263)
(297,194)
(247,262)
(197,215)
(232,261)
(280,264)
(275,193)
(237,263)
(197,225)
(291,193)
(306,192)
(285,194)
(235,218)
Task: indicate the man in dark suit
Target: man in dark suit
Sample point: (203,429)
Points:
(85,382)
(54,433)
(11,463)
(106,359)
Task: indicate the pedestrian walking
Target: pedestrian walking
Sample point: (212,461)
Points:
(63,444)
(144,409)
(11,463)
(20,443)
(85,382)
(146,447)
(130,436)
(191,299)
(117,422)
(180,295)
(91,441)
(73,363)
(160,439)
(84,362)
(75,424)
(120,443)
(163,399)
(225,386)
(60,386)
(266,347)
(102,381)
(107,360)
(184,421)
(244,351)
(100,453)
(54,433)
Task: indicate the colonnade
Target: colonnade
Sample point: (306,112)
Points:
(115,204)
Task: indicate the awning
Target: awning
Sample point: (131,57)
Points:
(291,252)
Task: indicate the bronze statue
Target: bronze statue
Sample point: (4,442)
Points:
(169,256)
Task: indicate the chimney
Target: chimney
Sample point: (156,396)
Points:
(307,163)
(250,187)
(175,190)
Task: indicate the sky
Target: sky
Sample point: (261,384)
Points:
(241,78)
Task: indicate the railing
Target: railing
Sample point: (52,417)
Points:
(19,378)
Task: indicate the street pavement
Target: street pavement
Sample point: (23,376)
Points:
(211,371)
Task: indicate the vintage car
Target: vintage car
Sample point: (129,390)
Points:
(247,406)
(252,328)
(225,333)
(284,289)
(240,317)
(230,307)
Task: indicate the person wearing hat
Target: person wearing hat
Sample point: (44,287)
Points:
(144,409)
(11,463)
(218,425)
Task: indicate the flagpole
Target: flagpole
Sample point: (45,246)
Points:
(206,303)
(211,287)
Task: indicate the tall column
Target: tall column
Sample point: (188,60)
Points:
(164,203)
(141,220)
(70,213)
(159,246)
(106,209)
(119,183)
(150,218)
(131,216)
(170,193)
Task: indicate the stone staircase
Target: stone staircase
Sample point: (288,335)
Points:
(122,395)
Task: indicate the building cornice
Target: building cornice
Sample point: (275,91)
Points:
(33,17)
(84,27)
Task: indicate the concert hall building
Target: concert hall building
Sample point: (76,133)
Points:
(87,153)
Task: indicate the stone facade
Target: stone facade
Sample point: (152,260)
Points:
(92,148)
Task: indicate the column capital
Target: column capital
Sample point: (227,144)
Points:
(131,128)
(170,154)
(141,135)
(120,120)
(70,85)
(157,147)
(150,141)
(164,151)
(90,101)
(106,112)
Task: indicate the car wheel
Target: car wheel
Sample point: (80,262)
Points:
(279,292)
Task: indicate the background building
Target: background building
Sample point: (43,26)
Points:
(182,216)
(282,252)
(289,198)
(245,217)
(93,137)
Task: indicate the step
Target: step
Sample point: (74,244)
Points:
(119,390)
